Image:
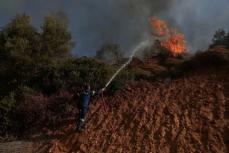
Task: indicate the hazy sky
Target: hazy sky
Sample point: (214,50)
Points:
(95,22)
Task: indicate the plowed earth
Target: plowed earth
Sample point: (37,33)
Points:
(188,115)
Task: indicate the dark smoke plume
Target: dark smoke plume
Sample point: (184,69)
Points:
(95,22)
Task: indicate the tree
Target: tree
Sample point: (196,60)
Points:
(56,40)
(2,54)
(227,40)
(19,42)
(110,53)
(220,38)
(19,39)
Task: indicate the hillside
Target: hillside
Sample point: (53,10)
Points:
(164,79)
(185,115)
(188,114)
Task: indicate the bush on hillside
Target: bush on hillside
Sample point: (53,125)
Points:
(209,59)
(30,111)
(36,111)
(7,107)
(60,107)
(220,38)
(78,71)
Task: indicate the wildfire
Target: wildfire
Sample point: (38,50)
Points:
(169,38)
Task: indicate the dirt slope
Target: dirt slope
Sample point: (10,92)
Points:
(185,115)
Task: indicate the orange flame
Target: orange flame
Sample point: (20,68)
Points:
(170,39)
(159,26)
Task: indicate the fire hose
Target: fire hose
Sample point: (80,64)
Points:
(141,46)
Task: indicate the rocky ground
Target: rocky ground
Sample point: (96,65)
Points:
(188,115)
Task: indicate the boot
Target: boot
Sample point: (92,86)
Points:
(79,126)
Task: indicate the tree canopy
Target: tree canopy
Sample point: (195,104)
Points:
(110,53)
(221,37)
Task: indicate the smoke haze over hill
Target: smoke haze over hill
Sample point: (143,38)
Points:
(94,23)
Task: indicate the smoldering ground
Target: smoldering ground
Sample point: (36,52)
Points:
(125,22)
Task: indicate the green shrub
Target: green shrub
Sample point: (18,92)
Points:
(221,37)
(30,113)
(47,79)
(78,71)
(7,106)
(75,72)
(34,110)
(59,107)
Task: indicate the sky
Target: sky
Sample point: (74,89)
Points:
(93,23)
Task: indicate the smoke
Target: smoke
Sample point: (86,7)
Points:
(198,20)
(126,22)
(119,21)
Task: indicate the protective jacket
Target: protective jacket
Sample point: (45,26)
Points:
(85,98)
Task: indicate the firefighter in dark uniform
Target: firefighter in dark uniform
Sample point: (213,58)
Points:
(84,104)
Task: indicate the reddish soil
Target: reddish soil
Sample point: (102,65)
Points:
(188,115)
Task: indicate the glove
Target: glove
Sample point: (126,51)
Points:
(101,90)
(93,92)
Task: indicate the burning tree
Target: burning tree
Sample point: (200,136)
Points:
(169,38)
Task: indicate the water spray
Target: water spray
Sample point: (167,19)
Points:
(141,46)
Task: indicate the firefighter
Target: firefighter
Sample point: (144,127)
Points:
(84,104)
